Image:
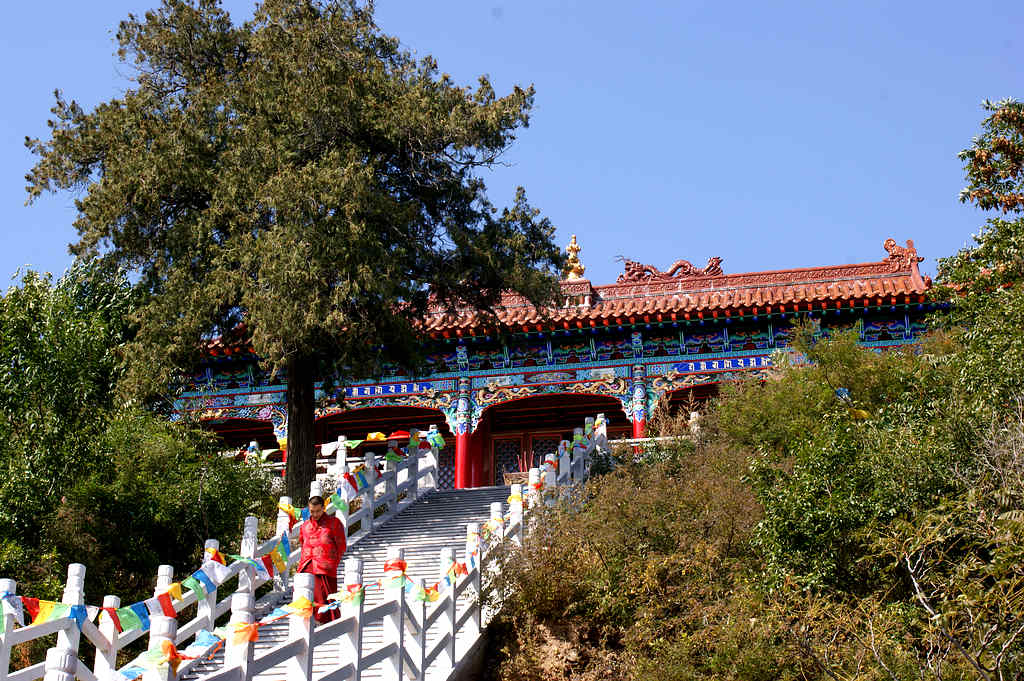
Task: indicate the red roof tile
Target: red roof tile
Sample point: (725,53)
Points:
(684,290)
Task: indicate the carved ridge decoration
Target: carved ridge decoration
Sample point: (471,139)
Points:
(681,269)
(901,257)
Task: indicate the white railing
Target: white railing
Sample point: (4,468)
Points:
(407,624)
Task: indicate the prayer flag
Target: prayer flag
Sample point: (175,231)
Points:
(361,479)
(428,594)
(392,455)
(375,437)
(245,633)
(194,585)
(142,612)
(205,580)
(286,545)
(128,619)
(112,614)
(339,503)
(11,605)
(352,482)
(45,611)
(279,564)
(289,510)
(398,435)
(436,439)
(174,590)
(79,613)
(268,563)
(218,571)
(166,606)
(302,607)
(215,555)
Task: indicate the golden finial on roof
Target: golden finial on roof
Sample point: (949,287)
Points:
(573,267)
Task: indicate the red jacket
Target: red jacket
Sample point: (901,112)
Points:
(323,545)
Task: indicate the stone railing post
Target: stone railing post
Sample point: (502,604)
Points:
(368,494)
(391,486)
(206,607)
(564,463)
(412,462)
(74,594)
(580,442)
(350,645)
(343,470)
(421,630)
(550,478)
(435,459)
(474,555)
(300,667)
(239,653)
(161,629)
(282,527)
(533,496)
(449,617)
(106,658)
(247,549)
(515,511)
(341,454)
(394,624)
(61,664)
(8,588)
(498,521)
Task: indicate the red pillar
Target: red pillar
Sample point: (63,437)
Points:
(639,427)
(463,470)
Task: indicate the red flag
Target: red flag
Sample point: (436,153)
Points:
(268,563)
(166,605)
(31,605)
(112,614)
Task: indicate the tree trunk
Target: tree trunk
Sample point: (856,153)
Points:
(301,468)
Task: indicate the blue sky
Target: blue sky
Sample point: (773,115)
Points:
(774,135)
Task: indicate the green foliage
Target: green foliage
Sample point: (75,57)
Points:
(300,172)
(88,480)
(881,529)
(984,280)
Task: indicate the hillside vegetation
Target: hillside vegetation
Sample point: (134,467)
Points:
(856,515)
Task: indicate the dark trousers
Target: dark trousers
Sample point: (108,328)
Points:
(323,587)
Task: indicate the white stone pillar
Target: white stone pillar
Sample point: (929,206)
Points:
(74,594)
(106,657)
(300,667)
(282,527)
(206,608)
(350,645)
(474,554)
(394,623)
(61,665)
(248,577)
(448,618)
(240,654)
(515,510)
(8,587)
(533,496)
(161,629)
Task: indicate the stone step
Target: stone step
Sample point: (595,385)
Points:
(436,521)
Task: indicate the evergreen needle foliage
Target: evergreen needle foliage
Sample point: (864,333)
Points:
(300,173)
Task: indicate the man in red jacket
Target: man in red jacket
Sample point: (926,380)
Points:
(323,545)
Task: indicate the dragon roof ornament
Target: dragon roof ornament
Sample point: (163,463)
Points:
(680,269)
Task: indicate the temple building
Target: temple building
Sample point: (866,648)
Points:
(651,340)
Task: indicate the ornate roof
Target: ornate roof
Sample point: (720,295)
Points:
(684,291)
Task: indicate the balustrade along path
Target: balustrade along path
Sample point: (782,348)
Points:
(409,586)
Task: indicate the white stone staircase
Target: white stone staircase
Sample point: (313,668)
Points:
(434,522)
